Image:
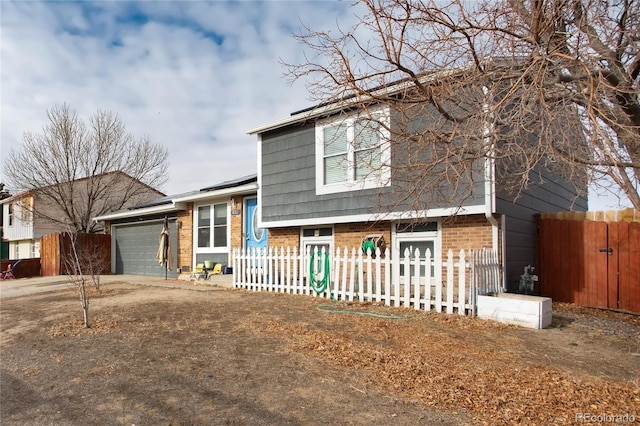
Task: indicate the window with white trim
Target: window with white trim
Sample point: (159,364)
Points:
(353,152)
(212,226)
(421,236)
(312,238)
(10,214)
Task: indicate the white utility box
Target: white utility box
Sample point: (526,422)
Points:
(519,309)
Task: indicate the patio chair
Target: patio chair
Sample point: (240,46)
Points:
(199,273)
(217,269)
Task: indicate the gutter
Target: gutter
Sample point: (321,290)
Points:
(489,180)
(165,208)
(248,188)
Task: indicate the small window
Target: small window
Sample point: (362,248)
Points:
(417,227)
(258,233)
(423,246)
(317,232)
(319,238)
(10,215)
(212,226)
(220,225)
(422,236)
(336,154)
(204,226)
(353,153)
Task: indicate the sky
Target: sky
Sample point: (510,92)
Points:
(193,76)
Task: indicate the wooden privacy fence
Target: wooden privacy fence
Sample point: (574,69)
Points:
(586,260)
(412,281)
(94,252)
(25,269)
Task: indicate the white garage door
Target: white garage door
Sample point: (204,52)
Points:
(136,247)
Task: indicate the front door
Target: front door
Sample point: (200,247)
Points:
(255,237)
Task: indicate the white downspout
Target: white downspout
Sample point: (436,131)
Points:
(489,179)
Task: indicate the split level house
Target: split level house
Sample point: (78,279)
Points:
(205,226)
(29,215)
(328,177)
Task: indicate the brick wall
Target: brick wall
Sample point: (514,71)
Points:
(284,237)
(462,232)
(458,233)
(350,235)
(466,232)
(185,237)
(237,221)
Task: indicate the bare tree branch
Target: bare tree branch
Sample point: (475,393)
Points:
(78,171)
(563,79)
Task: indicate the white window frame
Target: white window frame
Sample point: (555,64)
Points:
(11,214)
(378,179)
(319,240)
(435,236)
(211,248)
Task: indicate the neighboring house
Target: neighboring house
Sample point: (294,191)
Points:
(310,195)
(4,245)
(25,215)
(205,225)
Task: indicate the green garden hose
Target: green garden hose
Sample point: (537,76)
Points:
(331,308)
(319,285)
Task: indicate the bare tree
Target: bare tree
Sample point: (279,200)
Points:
(80,170)
(75,274)
(525,83)
(83,263)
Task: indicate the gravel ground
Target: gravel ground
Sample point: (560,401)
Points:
(600,320)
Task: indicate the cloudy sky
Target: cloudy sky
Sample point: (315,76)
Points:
(191,75)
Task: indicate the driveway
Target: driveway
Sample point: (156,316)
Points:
(26,286)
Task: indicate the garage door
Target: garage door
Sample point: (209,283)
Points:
(136,247)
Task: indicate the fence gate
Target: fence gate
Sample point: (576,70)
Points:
(590,263)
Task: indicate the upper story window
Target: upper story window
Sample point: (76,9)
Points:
(352,152)
(212,226)
(10,214)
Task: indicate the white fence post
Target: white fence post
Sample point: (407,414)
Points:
(462,269)
(369,293)
(387,277)
(378,281)
(450,270)
(427,288)
(416,280)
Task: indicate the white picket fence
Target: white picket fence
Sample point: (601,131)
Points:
(413,281)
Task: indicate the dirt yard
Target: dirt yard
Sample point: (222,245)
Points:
(162,356)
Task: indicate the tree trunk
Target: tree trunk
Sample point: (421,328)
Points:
(85,311)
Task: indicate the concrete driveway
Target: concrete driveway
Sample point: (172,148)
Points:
(26,286)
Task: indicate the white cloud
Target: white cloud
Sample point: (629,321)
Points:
(193,76)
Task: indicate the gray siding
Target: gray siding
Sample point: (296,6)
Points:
(552,195)
(288,183)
